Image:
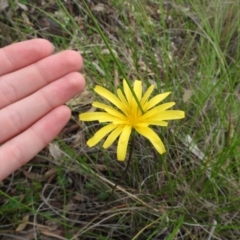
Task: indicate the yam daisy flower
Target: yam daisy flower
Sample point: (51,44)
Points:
(127,116)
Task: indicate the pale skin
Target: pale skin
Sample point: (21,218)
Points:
(34,85)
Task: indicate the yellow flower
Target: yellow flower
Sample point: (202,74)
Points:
(128,116)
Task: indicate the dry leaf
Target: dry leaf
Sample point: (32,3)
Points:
(100,167)
(82,99)
(3,4)
(79,197)
(187,94)
(105,51)
(51,231)
(72,128)
(33,176)
(23,225)
(92,109)
(26,18)
(79,139)
(142,66)
(71,207)
(26,235)
(98,8)
(51,172)
(55,151)
(98,68)
(22,6)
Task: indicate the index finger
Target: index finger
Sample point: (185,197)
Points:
(19,55)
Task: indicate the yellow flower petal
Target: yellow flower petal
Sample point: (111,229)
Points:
(141,124)
(127,92)
(109,109)
(155,100)
(97,116)
(159,146)
(92,116)
(109,96)
(147,95)
(137,87)
(113,136)
(166,115)
(100,134)
(119,122)
(153,138)
(156,123)
(123,100)
(157,110)
(123,142)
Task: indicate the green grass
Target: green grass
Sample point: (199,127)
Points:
(192,191)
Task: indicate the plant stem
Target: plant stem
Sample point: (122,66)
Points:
(126,169)
(112,54)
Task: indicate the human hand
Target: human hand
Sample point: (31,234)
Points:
(34,85)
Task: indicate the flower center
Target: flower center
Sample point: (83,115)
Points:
(133,117)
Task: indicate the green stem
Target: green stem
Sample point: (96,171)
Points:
(127,167)
(112,54)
